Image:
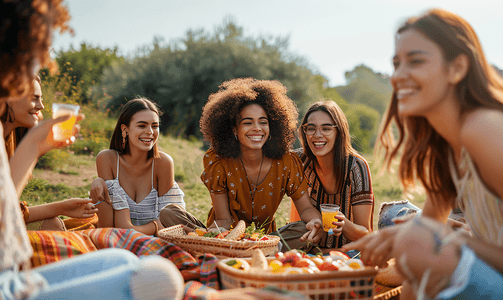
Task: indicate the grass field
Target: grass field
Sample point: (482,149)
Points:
(73,179)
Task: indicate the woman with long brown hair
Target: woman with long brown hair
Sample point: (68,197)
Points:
(336,174)
(21,115)
(135,179)
(448,107)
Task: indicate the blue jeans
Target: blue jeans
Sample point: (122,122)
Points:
(103,274)
(473,279)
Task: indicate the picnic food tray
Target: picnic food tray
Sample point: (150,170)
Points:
(354,284)
(222,248)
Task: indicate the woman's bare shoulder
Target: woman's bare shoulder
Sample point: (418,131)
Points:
(482,117)
(164,159)
(164,165)
(481,136)
(107,155)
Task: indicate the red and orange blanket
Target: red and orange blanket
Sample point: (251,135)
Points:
(52,246)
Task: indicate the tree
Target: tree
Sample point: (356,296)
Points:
(366,87)
(181,75)
(363,125)
(329,93)
(86,65)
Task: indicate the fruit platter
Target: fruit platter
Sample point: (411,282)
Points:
(240,241)
(335,276)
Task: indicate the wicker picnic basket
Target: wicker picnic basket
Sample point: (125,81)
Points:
(355,284)
(221,248)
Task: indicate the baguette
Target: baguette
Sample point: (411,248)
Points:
(236,233)
(258,259)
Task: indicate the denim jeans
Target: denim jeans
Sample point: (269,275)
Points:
(104,274)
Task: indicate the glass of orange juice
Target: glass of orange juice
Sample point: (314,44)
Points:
(64,130)
(328,213)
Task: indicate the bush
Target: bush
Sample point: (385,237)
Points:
(53,159)
(96,131)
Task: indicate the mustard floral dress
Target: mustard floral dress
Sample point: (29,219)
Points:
(228,175)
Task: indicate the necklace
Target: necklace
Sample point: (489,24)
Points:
(250,184)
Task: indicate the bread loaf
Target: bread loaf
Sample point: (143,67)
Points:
(258,259)
(389,276)
(236,233)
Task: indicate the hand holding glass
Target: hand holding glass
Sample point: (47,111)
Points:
(328,213)
(64,131)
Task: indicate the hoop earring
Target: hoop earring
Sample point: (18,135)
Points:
(236,137)
(269,137)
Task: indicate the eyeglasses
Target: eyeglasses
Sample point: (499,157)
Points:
(325,129)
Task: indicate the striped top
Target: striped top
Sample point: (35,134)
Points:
(482,209)
(357,190)
(147,209)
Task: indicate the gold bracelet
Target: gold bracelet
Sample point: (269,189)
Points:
(156,227)
(25,210)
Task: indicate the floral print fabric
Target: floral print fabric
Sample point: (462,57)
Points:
(227,175)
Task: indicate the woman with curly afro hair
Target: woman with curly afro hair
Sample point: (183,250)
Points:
(251,125)
(26,33)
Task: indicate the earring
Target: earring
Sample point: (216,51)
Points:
(269,137)
(124,136)
(236,137)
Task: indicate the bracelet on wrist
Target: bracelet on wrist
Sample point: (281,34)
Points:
(24,210)
(156,228)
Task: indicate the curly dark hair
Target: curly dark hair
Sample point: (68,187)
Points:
(25,31)
(221,112)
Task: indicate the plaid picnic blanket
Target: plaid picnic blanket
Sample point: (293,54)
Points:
(52,246)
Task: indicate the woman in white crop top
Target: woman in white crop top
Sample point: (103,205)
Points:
(135,180)
(448,107)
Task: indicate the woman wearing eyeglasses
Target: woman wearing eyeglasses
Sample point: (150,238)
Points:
(336,174)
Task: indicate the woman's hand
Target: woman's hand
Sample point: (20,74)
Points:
(77,208)
(457,225)
(341,219)
(43,137)
(375,247)
(315,227)
(99,191)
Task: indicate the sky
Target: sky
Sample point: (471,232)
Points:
(333,36)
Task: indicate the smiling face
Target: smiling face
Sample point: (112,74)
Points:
(143,130)
(27,109)
(421,75)
(319,143)
(252,127)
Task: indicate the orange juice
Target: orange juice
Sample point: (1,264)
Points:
(64,130)
(328,213)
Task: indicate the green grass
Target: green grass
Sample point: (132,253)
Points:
(39,191)
(386,186)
